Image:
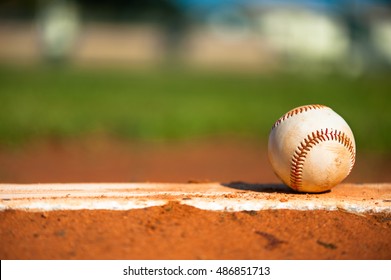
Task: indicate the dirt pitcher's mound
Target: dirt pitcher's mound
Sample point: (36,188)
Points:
(178,231)
(193,221)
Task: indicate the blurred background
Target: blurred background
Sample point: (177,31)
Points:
(184,90)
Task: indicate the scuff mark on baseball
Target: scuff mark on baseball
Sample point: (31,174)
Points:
(311,148)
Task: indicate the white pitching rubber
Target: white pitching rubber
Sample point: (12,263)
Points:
(209,196)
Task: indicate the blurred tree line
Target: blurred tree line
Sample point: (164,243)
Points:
(114,10)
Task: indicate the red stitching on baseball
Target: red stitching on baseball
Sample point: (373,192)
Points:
(297,162)
(296,111)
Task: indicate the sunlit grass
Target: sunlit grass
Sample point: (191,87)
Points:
(172,104)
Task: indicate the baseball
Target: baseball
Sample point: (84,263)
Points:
(311,148)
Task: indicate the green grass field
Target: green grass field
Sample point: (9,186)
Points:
(173,104)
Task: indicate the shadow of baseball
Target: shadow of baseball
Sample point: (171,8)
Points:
(266,188)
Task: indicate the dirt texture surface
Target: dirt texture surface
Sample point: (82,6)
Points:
(176,231)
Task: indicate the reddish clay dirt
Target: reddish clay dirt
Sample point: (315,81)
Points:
(182,232)
(176,231)
(110,160)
